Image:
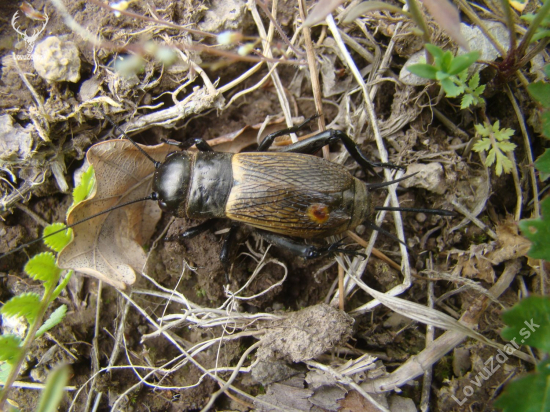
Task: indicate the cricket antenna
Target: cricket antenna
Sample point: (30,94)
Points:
(374,186)
(123,133)
(152,196)
(440,212)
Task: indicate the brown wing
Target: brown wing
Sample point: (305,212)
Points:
(292,194)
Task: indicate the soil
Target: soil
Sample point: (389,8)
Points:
(209,323)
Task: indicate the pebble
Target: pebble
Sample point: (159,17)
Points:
(56,60)
(428,176)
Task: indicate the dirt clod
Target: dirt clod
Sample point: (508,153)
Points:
(305,334)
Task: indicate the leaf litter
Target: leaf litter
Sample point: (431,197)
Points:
(109,247)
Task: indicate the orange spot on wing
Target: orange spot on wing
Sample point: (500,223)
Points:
(318,212)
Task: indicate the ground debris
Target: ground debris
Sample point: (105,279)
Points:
(15,141)
(289,395)
(306,334)
(480,259)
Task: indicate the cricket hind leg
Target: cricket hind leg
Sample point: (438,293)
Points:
(303,250)
(315,143)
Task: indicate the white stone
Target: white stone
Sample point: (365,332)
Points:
(56,60)
(428,176)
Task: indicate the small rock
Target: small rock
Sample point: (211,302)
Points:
(478,41)
(15,142)
(421,217)
(56,60)
(267,372)
(406,77)
(396,321)
(224,15)
(428,176)
(278,306)
(401,404)
(89,88)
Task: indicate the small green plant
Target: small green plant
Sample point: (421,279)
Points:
(543,30)
(540,91)
(529,322)
(538,232)
(31,306)
(452,73)
(496,142)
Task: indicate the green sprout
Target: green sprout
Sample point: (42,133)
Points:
(540,92)
(452,73)
(497,142)
(32,306)
(543,30)
(529,323)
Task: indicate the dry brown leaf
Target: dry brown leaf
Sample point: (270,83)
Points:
(475,264)
(510,244)
(108,247)
(236,142)
(479,261)
(286,395)
(355,402)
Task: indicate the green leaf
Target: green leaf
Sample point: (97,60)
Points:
(10,348)
(423,70)
(474,81)
(503,163)
(462,62)
(25,304)
(540,34)
(506,146)
(478,91)
(545,120)
(538,232)
(543,162)
(482,145)
(467,100)
(442,75)
(434,50)
(446,61)
(5,369)
(490,158)
(451,89)
(529,393)
(43,267)
(482,129)
(55,387)
(504,134)
(529,322)
(62,285)
(540,91)
(547,70)
(85,187)
(59,240)
(55,318)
